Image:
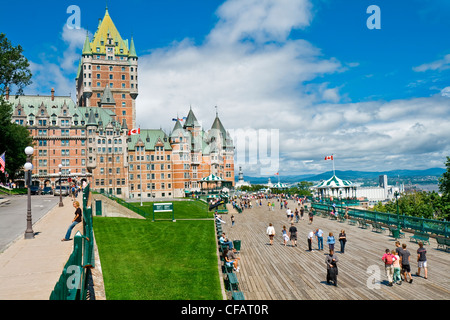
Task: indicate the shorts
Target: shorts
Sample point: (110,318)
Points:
(293,237)
(406,268)
(271,236)
(422,264)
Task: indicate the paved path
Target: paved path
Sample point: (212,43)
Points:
(29,269)
(293,273)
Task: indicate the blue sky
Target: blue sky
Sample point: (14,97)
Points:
(311,69)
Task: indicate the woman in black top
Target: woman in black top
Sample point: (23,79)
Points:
(342,240)
(75,221)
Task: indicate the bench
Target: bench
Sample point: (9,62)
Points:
(419,236)
(332,216)
(363,224)
(237,295)
(232,282)
(222,211)
(443,243)
(352,222)
(377,227)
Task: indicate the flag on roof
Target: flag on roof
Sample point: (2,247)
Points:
(179,119)
(134,131)
(2,162)
(329,157)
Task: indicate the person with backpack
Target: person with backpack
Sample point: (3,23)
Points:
(388,259)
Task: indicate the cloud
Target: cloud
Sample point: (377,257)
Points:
(439,65)
(260,78)
(56,69)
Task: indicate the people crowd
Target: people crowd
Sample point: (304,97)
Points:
(396,261)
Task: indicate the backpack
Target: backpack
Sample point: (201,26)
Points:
(389,259)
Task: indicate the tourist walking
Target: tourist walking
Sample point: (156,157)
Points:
(310,239)
(404,260)
(75,221)
(342,240)
(271,232)
(422,260)
(311,215)
(293,234)
(388,259)
(332,270)
(232,220)
(302,211)
(284,235)
(331,241)
(319,236)
(397,278)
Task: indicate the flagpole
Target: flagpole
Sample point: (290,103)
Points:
(334,173)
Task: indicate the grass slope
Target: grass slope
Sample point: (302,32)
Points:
(162,260)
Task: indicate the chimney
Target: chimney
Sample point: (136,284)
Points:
(7,93)
(53,94)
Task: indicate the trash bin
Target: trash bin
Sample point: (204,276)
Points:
(396,233)
(237,245)
(98,207)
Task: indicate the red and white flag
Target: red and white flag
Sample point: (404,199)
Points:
(134,131)
(329,158)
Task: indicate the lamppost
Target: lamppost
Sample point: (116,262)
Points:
(398,216)
(29,233)
(61,204)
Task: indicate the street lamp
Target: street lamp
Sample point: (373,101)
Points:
(61,204)
(29,233)
(398,216)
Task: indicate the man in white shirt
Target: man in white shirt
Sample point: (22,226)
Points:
(310,239)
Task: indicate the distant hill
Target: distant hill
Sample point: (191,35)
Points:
(347,175)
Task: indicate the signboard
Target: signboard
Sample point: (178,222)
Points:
(163,207)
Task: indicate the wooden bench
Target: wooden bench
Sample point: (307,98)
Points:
(352,222)
(231,282)
(237,295)
(222,211)
(377,227)
(443,243)
(419,236)
(363,224)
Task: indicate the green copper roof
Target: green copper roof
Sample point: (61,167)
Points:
(150,137)
(132,52)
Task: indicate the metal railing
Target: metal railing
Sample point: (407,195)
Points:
(74,279)
(416,224)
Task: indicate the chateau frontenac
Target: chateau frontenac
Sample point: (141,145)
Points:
(91,139)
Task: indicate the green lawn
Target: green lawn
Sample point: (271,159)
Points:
(182,209)
(162,260)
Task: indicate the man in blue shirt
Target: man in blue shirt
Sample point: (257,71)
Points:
(319,236)
(224,241)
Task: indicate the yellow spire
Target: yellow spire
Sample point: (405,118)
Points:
(106,26)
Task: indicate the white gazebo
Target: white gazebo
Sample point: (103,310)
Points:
(280,185)
(216,181)
(335,187)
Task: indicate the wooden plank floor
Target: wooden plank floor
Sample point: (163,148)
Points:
(292,273)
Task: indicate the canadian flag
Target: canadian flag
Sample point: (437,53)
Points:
(277,174)
(329,158)
(134,131)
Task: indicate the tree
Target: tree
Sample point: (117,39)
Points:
(14,74)
(444,187)
(14,67)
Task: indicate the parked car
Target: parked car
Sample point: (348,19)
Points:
(35,190)
(47,190)
(64,190)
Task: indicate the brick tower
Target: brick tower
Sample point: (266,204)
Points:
(108,61)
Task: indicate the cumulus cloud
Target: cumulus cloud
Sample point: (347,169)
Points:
(439,65)
(56,69)
(260,78)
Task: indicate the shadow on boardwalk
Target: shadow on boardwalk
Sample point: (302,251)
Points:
(281,272)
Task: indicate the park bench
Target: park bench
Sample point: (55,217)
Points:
(393,232)
(231,282)
(443,243)
(227,269)
(341,218)
(237,295)
(377,227)
(332,216)
(419,236)
(363,224)
(222,211)
(352,222)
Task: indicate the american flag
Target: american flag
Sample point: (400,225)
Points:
(2,162)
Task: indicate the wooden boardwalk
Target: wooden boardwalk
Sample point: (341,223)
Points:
(293,273)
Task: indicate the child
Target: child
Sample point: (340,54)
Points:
(284,235)
(397,278)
